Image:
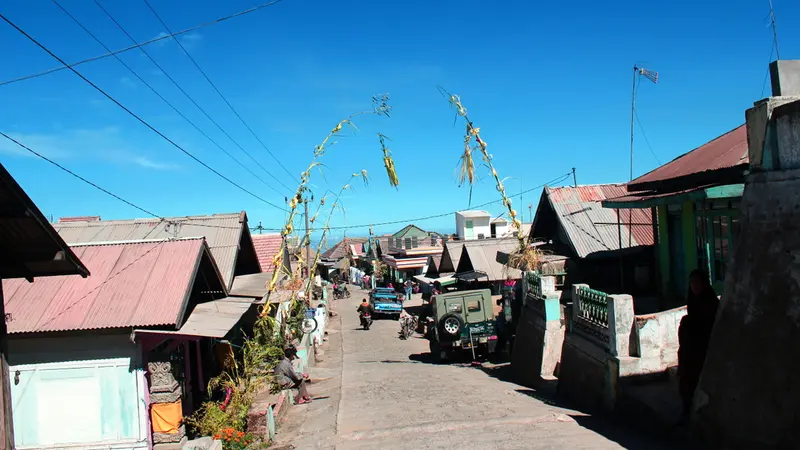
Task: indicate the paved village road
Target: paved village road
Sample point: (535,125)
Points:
(381,392)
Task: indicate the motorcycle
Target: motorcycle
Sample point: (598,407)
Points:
(366,321)
(340,293)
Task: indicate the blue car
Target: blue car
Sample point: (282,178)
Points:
(386,302)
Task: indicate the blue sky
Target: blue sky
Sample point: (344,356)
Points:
(548,84)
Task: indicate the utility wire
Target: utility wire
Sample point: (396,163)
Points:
(169,77)
(236,113)
(647,141)
(139,45)
(102,189)
(74,19)
(142,121)
(436,216)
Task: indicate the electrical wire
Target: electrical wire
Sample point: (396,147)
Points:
(100,188)
(135,74)
(436,216)
(236,113)
(180,88)
(647,141)
(139,45)
(142,121)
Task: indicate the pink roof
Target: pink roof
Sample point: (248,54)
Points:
(267,246)
(133,284)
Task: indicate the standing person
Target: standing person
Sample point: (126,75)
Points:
(694,334)
(409,285)
(288,378)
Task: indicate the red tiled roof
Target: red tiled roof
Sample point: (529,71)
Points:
(134,284)
(592,228)
(267,246)
(728,150)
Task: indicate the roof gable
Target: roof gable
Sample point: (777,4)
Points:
(224,234)
(133,284)
(591,228)
(410,231)
(266,247)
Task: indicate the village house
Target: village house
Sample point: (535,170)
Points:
(130,348)
(473,225)
(348,252)
(227,235)
(406,252)
(696,199)
(607,250)
(31,250)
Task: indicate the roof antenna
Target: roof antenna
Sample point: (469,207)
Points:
(638,72)
(774,29)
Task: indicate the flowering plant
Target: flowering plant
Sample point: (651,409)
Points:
(234,440)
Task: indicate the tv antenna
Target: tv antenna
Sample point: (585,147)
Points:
(774,29)
(638,72)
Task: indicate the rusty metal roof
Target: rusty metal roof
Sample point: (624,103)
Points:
(29,246)
(133,284)
(723,152)
(339,250)
(589,226)
(223,234)
(267,246)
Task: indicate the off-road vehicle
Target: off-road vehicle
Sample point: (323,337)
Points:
(463,322)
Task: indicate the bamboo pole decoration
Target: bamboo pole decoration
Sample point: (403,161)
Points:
(336,203)
(388,162)
(525,255)
(380,106)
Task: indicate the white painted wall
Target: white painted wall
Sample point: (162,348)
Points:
(501,228)
(87,392)
(480,224)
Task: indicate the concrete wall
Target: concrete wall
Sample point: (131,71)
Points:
(539,341)
(480,225)
(748,392)
(655,340)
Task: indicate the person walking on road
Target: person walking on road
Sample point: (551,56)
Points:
(409,285)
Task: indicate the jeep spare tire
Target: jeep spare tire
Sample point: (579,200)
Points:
(450,327)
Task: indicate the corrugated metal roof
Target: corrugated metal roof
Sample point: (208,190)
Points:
(223,232)
(340,250)
(31,247)
(481,255)
(132,284)
(267,246)
(592,228)
(216,318)
(725,151)
(451,256)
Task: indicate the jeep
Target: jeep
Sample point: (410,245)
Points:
(462,321)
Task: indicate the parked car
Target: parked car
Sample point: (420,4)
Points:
(462,321)
(386,303)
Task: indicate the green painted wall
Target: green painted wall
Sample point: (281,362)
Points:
(689,239)
(663,250)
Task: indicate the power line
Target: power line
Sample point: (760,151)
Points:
(169,77)
(144,122)
(647,141)
(74,19)
(236,113)
(100,188)
(139,45)
(436,216)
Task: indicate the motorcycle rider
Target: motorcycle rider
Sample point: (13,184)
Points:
(364,308)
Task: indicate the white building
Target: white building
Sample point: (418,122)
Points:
(499,227)
(473,225)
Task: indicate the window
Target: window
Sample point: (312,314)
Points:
(454,308)
(408,243)
(473,306)
(414,242)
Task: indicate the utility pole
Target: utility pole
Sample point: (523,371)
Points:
(574,178)
(308,241)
